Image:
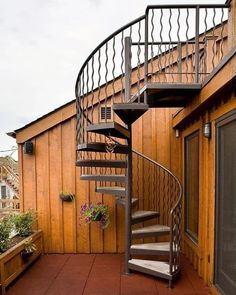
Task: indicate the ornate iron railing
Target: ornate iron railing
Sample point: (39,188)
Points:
(184,43)
(169,44)
(158,189)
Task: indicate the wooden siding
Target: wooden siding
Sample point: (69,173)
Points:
(51,169)
(201,254)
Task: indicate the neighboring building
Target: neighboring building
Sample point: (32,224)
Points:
(184,101)
(9,184)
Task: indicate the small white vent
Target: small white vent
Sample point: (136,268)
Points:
(106,113)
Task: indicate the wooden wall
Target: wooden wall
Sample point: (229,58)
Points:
(201,254)
(51,169)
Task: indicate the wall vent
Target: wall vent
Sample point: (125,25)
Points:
(106,113)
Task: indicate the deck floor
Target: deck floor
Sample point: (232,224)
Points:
(99,274)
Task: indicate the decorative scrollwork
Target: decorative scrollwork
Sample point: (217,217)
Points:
(110,144)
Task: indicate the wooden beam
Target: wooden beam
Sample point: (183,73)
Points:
(45,123)
(225,76)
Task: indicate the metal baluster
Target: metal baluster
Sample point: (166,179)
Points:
(106,75)
(122,67)
(99,85)
(170,59)
(222,34)
(205,41)
(152,41)
(197,45)
(92,87)
(138,59)
(160,46)
(187,38)
(82,100)
(214,40)
(179,48)
(146,55)
(113,69)
(88,135)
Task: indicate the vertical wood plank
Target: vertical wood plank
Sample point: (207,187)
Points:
(21,176)
(68,185)
(29,180)
(55,180)
(42,178)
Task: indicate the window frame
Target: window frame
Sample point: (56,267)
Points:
(190,234)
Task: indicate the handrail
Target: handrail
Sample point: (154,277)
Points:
(183,6)
(103,43)
(174,213)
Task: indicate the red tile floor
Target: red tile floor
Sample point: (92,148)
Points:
(99,274)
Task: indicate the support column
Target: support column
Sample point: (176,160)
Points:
(127,68)
(128,204)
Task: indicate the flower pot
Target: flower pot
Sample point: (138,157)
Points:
(98,217)
(26,254)
(67,198)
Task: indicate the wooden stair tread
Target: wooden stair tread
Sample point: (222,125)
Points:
(111,190)
(152,230)
(167,94)
(155,268)
(142,215)
(104,177)
(112,129)
(130,112)
(101,148)
(151,248)
(102,163)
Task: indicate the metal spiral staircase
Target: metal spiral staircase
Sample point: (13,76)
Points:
(158,60)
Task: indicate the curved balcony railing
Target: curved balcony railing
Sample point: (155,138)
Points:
(158,189)
(100,82)
(169,44)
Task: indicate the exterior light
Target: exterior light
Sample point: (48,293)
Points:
(177,133)
(207,130)
(28,148)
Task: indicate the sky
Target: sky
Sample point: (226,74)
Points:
(44,43)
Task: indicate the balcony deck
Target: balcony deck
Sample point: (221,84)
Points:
(98,274)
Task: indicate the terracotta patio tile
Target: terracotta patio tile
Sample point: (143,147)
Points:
(138,285)
(99,274)
(105,286)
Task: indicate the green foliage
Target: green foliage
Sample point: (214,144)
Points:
(24,223)
(6,227)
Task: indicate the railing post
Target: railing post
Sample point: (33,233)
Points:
(146,55)
(128,204)
(128,42)
(197,45)
(179,62)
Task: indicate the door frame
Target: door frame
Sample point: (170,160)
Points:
(223,120)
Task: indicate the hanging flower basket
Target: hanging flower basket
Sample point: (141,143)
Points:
(66,197)
(95,212)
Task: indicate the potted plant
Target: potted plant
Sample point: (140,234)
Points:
(16,251)
(24,222)
(29,249)
(66,196)
(96,212)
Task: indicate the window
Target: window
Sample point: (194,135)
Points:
(192,185)
(3,192)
